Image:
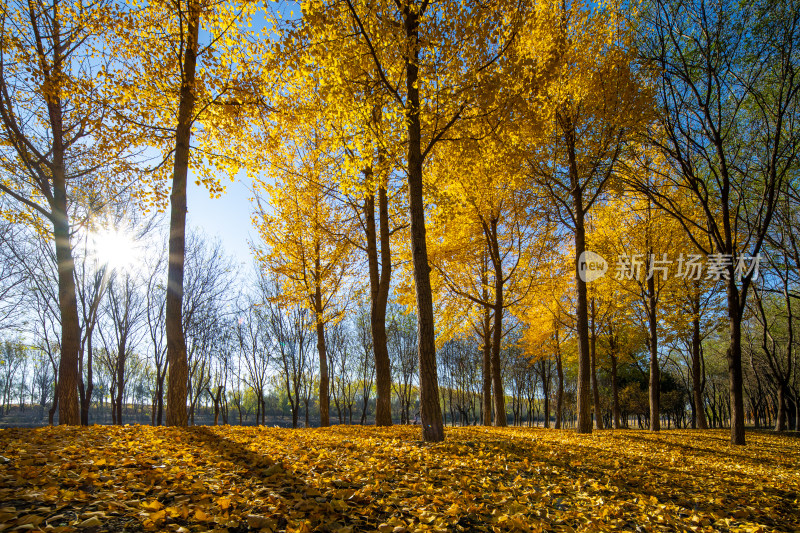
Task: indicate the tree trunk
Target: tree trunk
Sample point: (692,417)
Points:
(497,331)
(486,399)
(560,392)
(546,391)
(780,417)
(118,403)
(324,399)
(364,411)
(713,405)
(796,411)
(122,349)
(112,400)
(598,417)
(158,404)
(68,404)
(655,375)
(87,401)
(430,409)
(615,391)
(734,356)
(697,369)
(216,399)
(584,414)
(81,386)
(52,412)
(176,343)
(379,292)
(338,405)
(67,377)
(87,390)
(295,414)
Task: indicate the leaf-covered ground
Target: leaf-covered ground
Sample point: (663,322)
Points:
(371,479)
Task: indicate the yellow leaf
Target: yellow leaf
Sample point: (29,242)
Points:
(152,506)
(224,503)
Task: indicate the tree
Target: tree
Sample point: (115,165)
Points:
(621,337)
(255,344)
(344,382)
(293,222)
(644,242)
(546,328)
(784,264)
(209,283)
(46,331)
(175,91)
(548,331)
(461,285)
(380,271)
(366,365)
(696,312)
(360,141)
(427,86)
(155,309)
(727,96)
(110,245)
(57,134)
(13,357)
(220,374)
(670,259)
(37,259)
(91,280)
(774,314)
(288,327)
(11,276)
(124,312)
(403,353)
(460,364)
(577,160)
(491,236)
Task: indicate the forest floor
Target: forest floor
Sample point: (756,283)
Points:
(353,478)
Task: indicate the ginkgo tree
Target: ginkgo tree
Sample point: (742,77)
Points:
(620,339)
(547,323)
(369,186)
(186,70)
(298,223)
(644,245)
(375,192)
(364,140)
(60,144)
(592,106)
(490,236)
(462,296)
(432,61)
(378,236)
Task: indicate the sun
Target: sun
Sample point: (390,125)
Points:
(115,248)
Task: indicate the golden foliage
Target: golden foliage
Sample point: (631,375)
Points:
(148,74)
(57,111)
(303,232)
(366,479)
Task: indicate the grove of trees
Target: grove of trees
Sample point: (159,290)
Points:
(563,214)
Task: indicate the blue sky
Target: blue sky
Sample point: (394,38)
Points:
(226,217)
